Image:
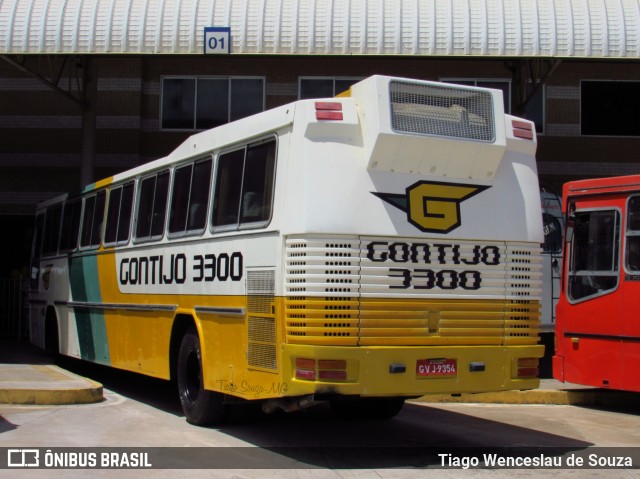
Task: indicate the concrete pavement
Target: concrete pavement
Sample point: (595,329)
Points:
(28,376)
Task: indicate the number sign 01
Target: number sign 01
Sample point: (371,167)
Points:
(217,40)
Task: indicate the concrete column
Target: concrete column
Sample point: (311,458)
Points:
(90,96)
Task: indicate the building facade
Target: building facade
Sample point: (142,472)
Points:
(143,83)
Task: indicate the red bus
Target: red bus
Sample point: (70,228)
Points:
(597,316)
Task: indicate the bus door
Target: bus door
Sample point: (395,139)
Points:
(592,323)
(631,297)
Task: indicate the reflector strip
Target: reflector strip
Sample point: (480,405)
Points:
(329,110)
(527,372)
(333,374)
(522,129)
(332,364)
(329,105)
(305,374)
(329,115)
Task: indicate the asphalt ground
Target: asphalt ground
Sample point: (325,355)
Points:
(28,375)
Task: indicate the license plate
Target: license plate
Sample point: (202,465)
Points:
(436,367)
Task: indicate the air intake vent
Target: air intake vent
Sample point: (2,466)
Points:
(442,111)
(261,320)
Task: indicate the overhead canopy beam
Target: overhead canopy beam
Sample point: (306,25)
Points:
(86,79)
(53,85)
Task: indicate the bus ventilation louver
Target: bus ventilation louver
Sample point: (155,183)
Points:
(442,111)
(261,320)
(335,295)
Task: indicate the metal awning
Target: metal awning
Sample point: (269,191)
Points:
(463,28)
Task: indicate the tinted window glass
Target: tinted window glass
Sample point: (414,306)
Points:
(178,103)
(87,220)
(316,88)
(199,198)
(244,185)
(119,214)
(92,219)
(593,269)
(180,199)
(213,103)
(113,211)
(36,246)
(226,202)
(632,248)
(610,108)
(257,187)
(52,230)
(200,103)
(152,206)
(160,204)
(126,207)
(70,225)
(247,97)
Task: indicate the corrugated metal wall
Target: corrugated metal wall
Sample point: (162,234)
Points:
(553,28)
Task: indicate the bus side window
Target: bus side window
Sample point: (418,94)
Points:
(160,205)
(87,220)
(70,225)
(188,213)
(199,197)
(226,200)
(36,249)
(632,262)
(152,206)
(113,210)
(126,208)
(92,220)
(244,185)
(119,214)
(51,230)
(257,186)
(180,199)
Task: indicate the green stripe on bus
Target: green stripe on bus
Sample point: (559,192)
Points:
(90,323)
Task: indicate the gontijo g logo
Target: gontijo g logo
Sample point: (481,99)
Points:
(433,206)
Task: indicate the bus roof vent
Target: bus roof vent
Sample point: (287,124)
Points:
(442,110)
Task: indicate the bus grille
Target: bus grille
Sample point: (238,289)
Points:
(261,323)
(440,110)
(337,295)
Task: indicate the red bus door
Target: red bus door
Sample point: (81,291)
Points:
(591,328)
(631,297)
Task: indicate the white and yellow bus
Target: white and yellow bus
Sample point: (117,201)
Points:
(364,249)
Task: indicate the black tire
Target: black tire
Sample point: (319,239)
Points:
(200,407)
(367,408)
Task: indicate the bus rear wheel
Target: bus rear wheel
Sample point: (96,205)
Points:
(367,408)
(201,407)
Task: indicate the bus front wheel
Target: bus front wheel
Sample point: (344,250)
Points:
(201,407)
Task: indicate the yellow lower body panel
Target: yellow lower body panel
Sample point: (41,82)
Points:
(408,371)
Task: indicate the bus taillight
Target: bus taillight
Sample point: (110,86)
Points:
(323,369)
(527,367)
(329,110)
